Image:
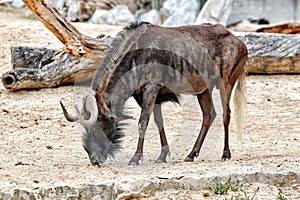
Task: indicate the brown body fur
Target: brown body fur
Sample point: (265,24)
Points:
(162,63)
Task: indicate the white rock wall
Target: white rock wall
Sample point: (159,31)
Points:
(231,11)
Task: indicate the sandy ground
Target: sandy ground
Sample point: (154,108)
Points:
(39,148)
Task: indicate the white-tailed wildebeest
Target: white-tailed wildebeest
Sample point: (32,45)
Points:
(156,64)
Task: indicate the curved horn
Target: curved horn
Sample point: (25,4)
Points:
(90,104)
(66,114)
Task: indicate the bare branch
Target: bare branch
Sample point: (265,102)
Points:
(76,44)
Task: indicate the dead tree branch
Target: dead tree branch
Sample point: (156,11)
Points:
(76,44)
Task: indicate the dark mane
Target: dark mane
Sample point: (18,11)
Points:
(114,53)
(116,142)
(134,25)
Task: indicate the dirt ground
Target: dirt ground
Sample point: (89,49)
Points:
(39,148)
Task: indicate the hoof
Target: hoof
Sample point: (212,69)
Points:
(224,158)
(226,155)
(160,161)
(188,159)
(162,158)
(191,156)
(133,163)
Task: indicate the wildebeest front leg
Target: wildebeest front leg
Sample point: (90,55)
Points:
(149,96)
(163,140)
(209,114)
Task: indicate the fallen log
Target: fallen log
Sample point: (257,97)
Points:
(65,69)
(35,68)
(51,69)
(287,28)
(30,57)
(272,53)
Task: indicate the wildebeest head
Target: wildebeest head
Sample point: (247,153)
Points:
(101,136)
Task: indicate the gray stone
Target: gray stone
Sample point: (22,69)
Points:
(45,193)
(5,190)
(181,12)
(119,15)
(5,195)
(276,11)
(231,11)
(141,187)
(152,16)
(215,11)
(5,1)
(18,3)
(59,4)
(66,192)
(95,192)
(23,194)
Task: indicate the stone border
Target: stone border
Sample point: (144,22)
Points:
(140,187)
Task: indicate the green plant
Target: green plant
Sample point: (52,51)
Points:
(221,189)
(234,187)
(280,196)
(245,197)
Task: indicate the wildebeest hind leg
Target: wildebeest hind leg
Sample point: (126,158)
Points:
(163,140)
(150,92)
(225,93)
(209,114)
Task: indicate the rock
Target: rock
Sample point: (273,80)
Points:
(215,11)
(59,4)
(141,188)
(276,11)
(5,110)
(14,3)
(17,3)
(231,11)
(20,194)
(66,192)
(73,12)
(119,15)
(152,16)
(5,189)
(5,1)
(89,191)
(23,125)
(181,12)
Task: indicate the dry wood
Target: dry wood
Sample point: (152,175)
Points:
(76,44)
(287,28)
(54,68)
(273,53)
(30,57)
(35,68)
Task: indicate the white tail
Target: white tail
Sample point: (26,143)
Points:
(240,106)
